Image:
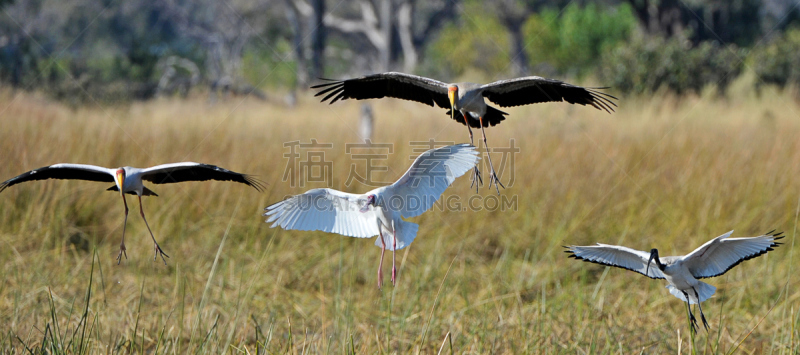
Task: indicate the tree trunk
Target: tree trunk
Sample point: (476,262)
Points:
(519,57)
(318,39)
(404,30)
(386,33)
(294,16)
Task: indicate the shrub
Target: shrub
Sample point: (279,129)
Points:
(779,61)
(646,63)
(470,44)
(572,40)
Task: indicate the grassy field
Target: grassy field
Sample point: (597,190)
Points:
(661,172)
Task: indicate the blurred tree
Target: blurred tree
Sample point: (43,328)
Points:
(778,15)
(85,49)
(223,29)
(477,41)
(572,39)
(307,22)
(648,63)
(26,43)
(725,21)
(382,29)
(107,50)
(318,38)
(778,62)
(513,14)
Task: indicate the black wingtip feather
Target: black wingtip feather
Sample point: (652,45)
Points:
(603,98)
(336,94)
(326,84)
(326,90)
(257,184)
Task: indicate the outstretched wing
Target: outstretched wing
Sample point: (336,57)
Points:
(617,256)
(721,254)
(535,89)
(392,84)
(189,171)
(427,178)
(63,171)
(324,210)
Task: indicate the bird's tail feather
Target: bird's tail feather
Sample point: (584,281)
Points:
(406,232)
(145,192)
(704,290)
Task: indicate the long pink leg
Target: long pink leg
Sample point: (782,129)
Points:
(471,140)
(492,176)
(394,248)
(158,250)
(476,177)
(383,250)
(380,265)
(124,224)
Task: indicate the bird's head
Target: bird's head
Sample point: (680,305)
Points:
(119,178)
(370,202)
(452,93)
(653,256)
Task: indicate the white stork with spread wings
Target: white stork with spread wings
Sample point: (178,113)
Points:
(130,180)
(466,100)
(713,258)
(379,211)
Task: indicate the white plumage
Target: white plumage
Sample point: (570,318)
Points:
(713,258)
(378,212)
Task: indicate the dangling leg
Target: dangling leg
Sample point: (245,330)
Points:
(471,140)
(692,319)
(702,316)
(394,248)
(492,175)
(476,177)
(383,250)
(158,250)
(124,224)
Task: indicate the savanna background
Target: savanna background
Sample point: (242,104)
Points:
(705,140)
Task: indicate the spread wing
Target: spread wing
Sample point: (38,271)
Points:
(324,210)
(721,254)
(617,256)
(189,171)
(392,84)
(427,178)
(535,89)
(63,171)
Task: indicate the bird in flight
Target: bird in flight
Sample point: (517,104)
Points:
(713,258)
(130,180)
(465,101)
(378,212)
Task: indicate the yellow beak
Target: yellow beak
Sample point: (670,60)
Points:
(120,177)
(452,96)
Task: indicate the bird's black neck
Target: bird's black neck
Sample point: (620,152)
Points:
(654,257)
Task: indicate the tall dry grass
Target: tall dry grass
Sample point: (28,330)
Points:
(660,172)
